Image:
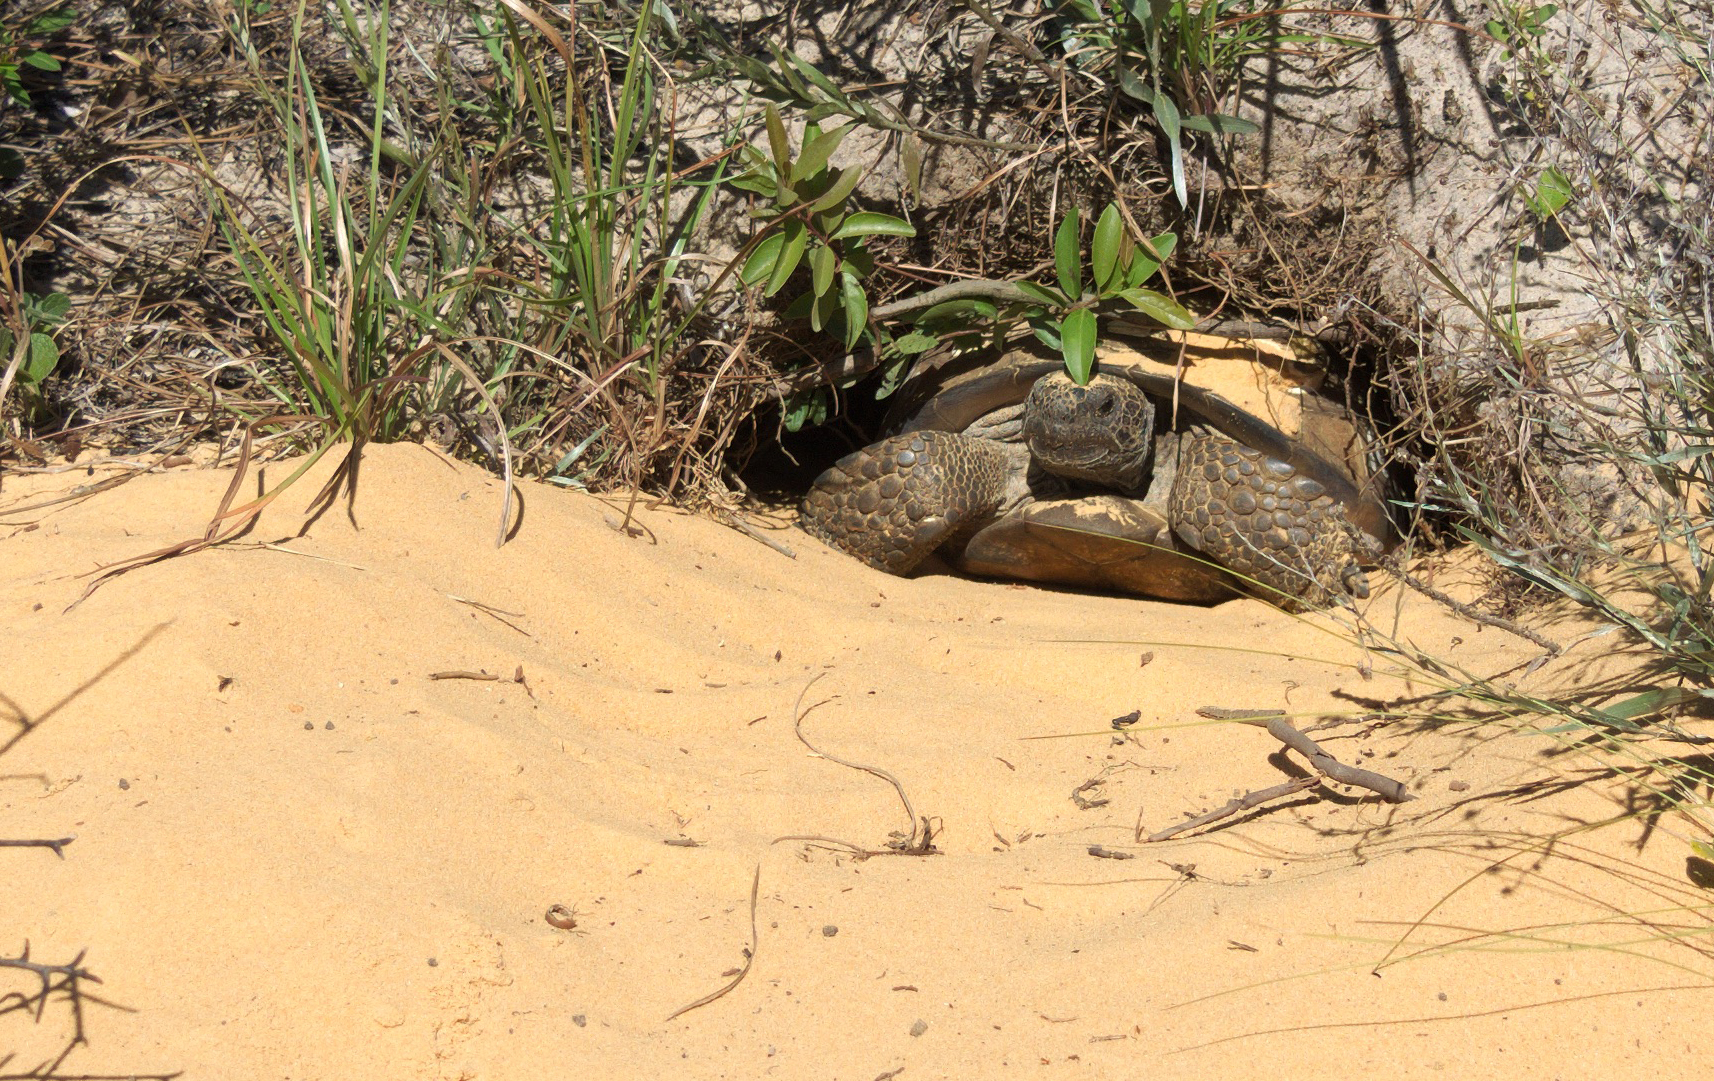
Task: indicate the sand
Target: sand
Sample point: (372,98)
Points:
(299,855)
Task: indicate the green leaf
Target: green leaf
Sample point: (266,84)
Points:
(1047,331)
(1166,115)
(858,259)
(58,20)
(1077,343)
(1132,85)
(762,260)
(869,223)
(856,304)
(777,141)
(1044,294)
(791,253)
(1161,308)
(1552,192)
(809,408)
(44,355)
(1104,249)
(1067,259)
(914,342)
(820,307)
(756,181)
(1163,244)
(841,188)
(1641,705)
(893,377)
(910,151)
(950,308)
(1220,124)
(40,61)
(822,264)
(1142,268)
(821,82)
(816,152)
(53,308)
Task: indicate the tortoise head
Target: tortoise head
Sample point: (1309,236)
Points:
(1101,433)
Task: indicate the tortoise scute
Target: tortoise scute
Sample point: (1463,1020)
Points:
(893,503)
(1256,516)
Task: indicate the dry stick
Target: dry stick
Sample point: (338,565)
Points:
(1243,803)
(498,614)
(1393,567)
(749,954)
(1278,727)
(911,847)
(58,846)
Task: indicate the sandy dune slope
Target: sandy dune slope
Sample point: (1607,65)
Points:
(300,856)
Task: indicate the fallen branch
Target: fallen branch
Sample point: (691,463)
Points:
(1278,727)
(1329,767)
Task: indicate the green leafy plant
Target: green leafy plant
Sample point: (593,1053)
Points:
(27,347)
(1551,195)
(1065,315)
(18,49)
(807,221)
(1178,59)
(1520,24)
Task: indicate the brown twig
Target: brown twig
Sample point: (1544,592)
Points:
(57,845)
(749,955)
(1242,803)
(1388,789)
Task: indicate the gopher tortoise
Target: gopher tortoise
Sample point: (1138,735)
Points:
(1142,482)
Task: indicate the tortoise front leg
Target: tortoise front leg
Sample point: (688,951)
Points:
(893,503)
(1262,519)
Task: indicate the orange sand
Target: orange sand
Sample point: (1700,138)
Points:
(298,856)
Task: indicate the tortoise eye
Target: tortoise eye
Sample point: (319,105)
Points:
(1107,404)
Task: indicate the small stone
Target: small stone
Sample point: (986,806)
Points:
(309,726)
(1459,786)
(829,930)
(579,1020)
(919,1028)
(124,785)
